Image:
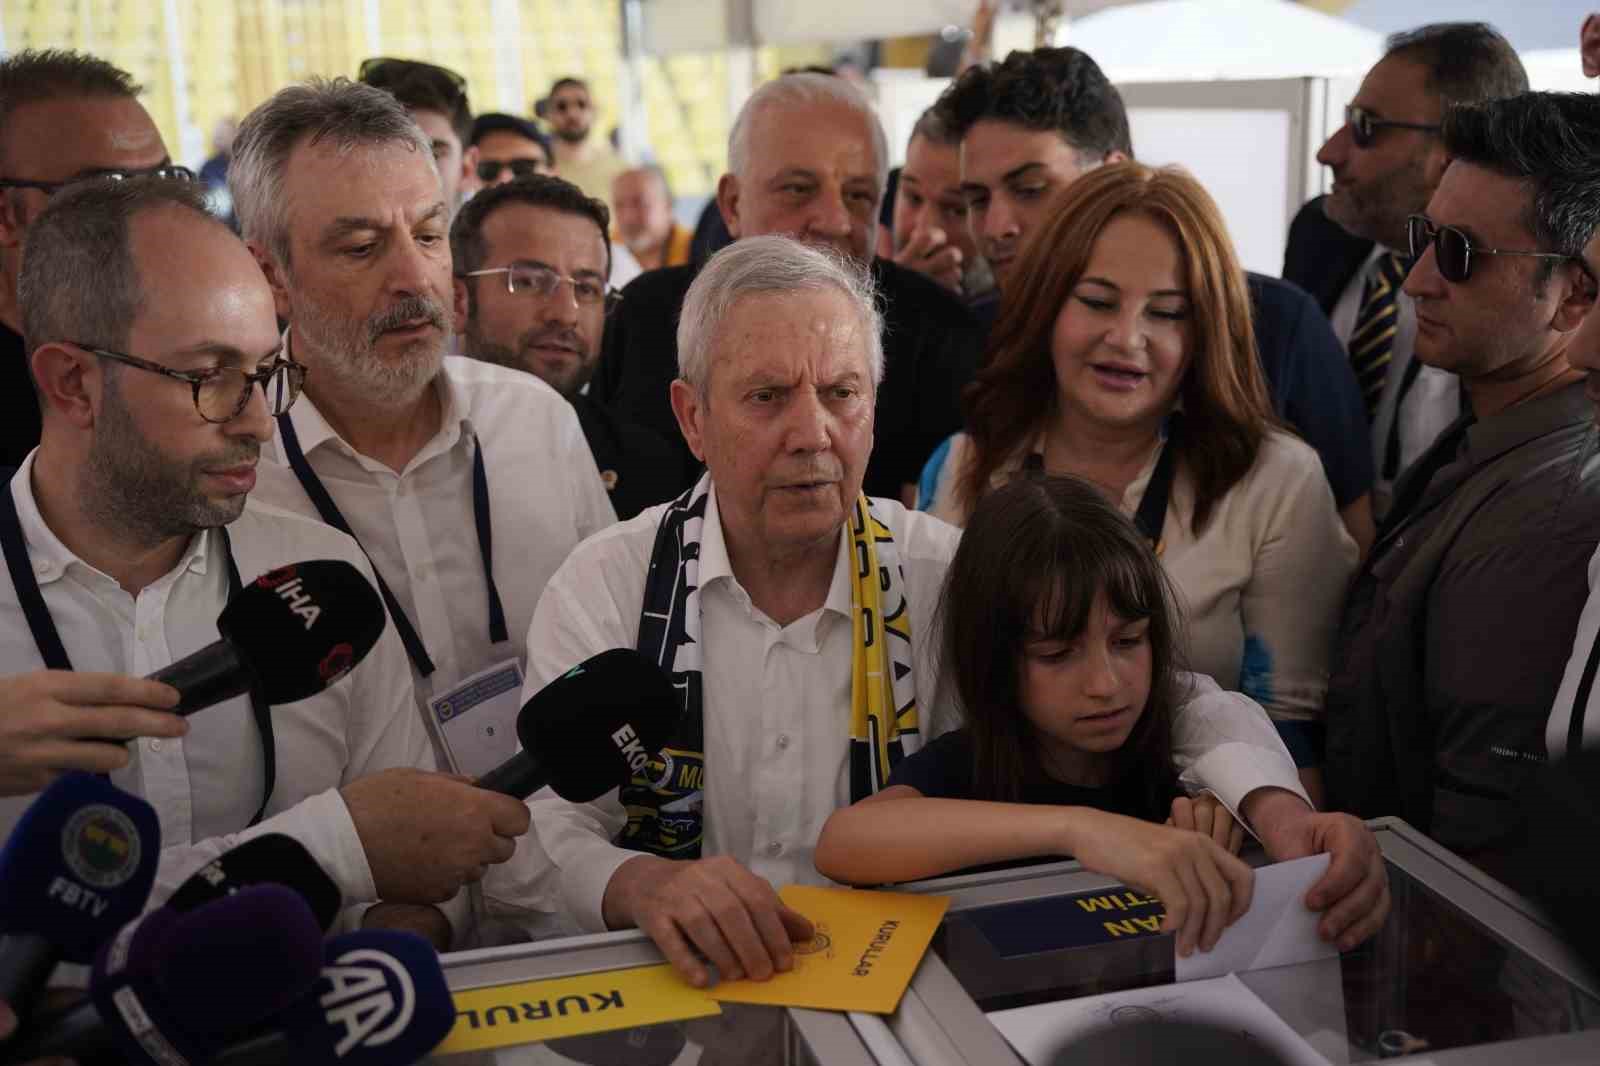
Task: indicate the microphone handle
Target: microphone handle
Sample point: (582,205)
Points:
(268,1049)
(207,677)
(519,776)
(78,1033)
(26,960)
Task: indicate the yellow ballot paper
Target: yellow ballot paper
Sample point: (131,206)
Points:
(868,945)
(533,1011)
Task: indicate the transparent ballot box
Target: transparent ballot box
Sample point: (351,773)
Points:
(1463,972)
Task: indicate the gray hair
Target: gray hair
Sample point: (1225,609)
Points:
(804,89)
(79,281)
(345,112)
(764,266)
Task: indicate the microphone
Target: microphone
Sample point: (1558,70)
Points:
(170,987)
(269,859)
(381,1001)
(591,729)
(294,631)
(78,865)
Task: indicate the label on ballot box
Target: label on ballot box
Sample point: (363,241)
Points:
(1099,916)
(478,718)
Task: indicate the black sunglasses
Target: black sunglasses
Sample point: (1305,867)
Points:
(1453,249)
(491,169)
(382,72)
(169,171)
(1364,127)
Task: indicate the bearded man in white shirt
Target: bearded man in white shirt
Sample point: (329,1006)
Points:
(130,528)
(466,484)
(746,589)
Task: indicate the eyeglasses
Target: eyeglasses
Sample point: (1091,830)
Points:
(491,169)
(221,392)
(1453,249)
(169,171)
(1364,127)
(382,72)
(544,282)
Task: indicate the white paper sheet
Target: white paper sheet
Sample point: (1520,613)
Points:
(1277,930)
(1039,1032)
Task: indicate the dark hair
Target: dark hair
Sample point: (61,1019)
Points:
(1551,143)
(1034,556)
(500,122)
(932,126)
(562,83)
(467,246)
(1466,61)
(1059,89)
(1227,410)
(423,87)
(79,281)
(52,73)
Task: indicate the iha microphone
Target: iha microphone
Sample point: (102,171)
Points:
(294,631)
(270,859)
(591,729)
(78,865)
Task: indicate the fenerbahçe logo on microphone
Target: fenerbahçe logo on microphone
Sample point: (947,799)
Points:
(101,846)
(286,584)
(369,1001)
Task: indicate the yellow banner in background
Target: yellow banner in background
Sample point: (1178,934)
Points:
(535,1011)
(868,944)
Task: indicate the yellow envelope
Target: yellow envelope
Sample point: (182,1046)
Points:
(534,1011)
(868,945)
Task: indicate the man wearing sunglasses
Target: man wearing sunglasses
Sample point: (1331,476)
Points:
(64,117)
(507,148)
(437,99)
(1457,627)
(155,348)
(580,157)
(1348,248)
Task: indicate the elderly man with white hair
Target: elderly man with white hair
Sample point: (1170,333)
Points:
(747,590)
(808,159)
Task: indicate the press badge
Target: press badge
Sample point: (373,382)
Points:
(478,718)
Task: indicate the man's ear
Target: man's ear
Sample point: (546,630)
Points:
(12,225)
(1577,301)
(68,378)
(1434,164)
(1589,46)
(462,305)
(469,164)
(1117,155)
(276,277)
(728,202)
(690,408)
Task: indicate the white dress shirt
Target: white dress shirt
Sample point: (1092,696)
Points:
(206,786)
(1566,705)
(1428,407)
(545,496)
(777,706)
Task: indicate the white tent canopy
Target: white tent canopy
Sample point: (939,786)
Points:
(1202,40)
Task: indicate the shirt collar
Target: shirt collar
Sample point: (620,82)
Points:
(1494,436)
(715,565)
(52,559)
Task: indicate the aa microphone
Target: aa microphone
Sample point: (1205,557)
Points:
(591,729)
(269,859)
(78,865)
(381,1001)
(177,988)
(293,631)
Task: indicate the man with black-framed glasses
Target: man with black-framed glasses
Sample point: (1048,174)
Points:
(64,117)
(1348,248)
(1459,624)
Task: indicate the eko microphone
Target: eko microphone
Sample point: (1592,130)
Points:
(381,1001)
(294,630)
(591,729)
(176,988)
(78,865)
(269,859)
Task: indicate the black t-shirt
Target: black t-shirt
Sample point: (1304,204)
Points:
(20,425)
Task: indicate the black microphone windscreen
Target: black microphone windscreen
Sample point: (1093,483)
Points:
(270,859)
(595,726)
(302,627)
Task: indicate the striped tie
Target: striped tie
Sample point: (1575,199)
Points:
(1372,341)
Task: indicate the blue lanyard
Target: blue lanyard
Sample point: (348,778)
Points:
(323,502)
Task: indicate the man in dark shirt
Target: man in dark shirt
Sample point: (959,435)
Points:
(1457,628)
(1032,125)
(807,158)
(531,262)
(64,116)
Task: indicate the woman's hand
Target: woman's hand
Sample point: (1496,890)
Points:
(1206,815)
(1204,888)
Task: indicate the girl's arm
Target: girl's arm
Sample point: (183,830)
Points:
(902,835)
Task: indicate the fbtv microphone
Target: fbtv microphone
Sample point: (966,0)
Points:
(77,867)
(293,631)
(591,729)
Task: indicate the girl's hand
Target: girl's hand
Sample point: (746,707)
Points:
(1206,815)
(1204,888)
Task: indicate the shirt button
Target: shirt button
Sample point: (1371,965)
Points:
(774,848)
(783,740)
(155,745)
